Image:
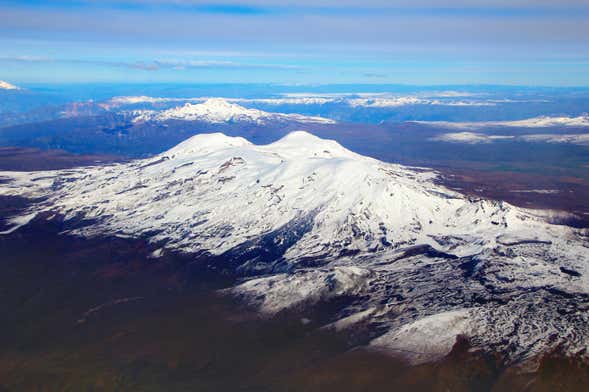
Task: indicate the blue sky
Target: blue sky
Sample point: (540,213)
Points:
(523,42)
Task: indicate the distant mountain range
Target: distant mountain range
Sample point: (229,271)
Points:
(307,222)
(218,110)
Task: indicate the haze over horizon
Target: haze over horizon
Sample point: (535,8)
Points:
(421,42)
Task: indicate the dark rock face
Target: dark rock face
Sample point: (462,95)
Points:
(264,255)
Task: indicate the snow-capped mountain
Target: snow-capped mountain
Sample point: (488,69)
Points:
(218,110)
(7,86)
(306,221)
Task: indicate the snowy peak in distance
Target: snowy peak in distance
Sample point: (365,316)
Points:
(218,110)
(7,86)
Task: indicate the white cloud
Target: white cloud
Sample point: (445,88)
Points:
(7,86)
(369,100)
(480,138)
(133,100)
(579,139)
(536,122)
(451,94)
(411,100)
(469,138)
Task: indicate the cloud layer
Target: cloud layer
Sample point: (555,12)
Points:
(536,122)
(423,41)
(481,138)
(354,100)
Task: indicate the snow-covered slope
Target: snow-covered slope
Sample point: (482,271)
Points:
(7,86)
(218,110)
(308,221)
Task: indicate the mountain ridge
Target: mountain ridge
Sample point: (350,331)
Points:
(219,110)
